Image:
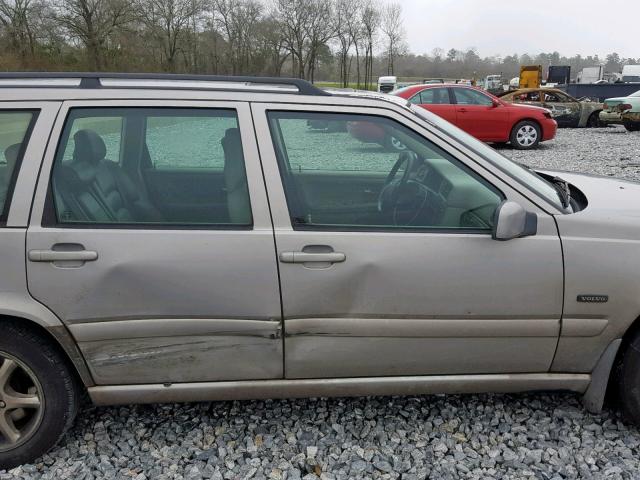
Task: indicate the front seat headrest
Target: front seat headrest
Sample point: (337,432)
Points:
(89,147)
(11,155)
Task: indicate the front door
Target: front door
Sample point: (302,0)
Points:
(387,264)
(155,244)
(480,117)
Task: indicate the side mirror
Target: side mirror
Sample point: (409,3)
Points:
(495,103)
(511,220)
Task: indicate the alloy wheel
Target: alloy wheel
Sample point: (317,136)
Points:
(21,403)
(527,135)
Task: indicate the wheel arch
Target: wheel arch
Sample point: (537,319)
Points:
(36,317)
(605,373)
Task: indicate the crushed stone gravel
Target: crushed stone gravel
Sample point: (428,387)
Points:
(533,436)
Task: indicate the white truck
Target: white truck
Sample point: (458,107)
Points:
(631,74)
(387,84)
(591,74)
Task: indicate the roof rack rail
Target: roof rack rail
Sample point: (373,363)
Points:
(157,80)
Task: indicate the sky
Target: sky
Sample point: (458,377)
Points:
(505,27)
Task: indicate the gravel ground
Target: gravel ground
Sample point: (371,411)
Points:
(537,436)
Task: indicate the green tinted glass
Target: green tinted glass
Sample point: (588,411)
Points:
(13,132)
(356,171)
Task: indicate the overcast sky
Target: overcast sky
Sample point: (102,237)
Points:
(505,27)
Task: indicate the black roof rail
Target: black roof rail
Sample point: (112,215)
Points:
(92,79)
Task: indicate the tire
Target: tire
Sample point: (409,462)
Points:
(594,120)
(628,379)
(525,135)
(31,365)
(632,126)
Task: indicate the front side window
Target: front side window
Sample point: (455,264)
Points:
(15,127)
(370,172)
(162,166)
(467,96)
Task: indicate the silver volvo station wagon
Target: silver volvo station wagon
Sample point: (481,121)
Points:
(171,238)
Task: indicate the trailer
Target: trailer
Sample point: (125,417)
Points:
(600,92)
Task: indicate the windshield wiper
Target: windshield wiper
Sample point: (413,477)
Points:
(562,187)
(560,184)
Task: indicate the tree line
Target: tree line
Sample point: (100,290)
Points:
(351,42)
(301,38)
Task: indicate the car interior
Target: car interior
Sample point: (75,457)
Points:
(91,187)
(355,184)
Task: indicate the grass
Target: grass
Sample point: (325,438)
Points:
(373,88)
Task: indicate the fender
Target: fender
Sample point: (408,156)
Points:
(23,307)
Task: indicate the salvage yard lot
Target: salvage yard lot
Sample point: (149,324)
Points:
(537,436)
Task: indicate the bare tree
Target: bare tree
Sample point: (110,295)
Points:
(239,21)
(93,22)
(169,23)
(370,20)
(17,18)
(393,30)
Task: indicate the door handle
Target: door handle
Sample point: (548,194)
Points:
(462,110)
(62,256)
(304,257)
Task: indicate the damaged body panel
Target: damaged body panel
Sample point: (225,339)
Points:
(566,110)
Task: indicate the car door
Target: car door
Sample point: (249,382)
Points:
(479,116)
(410,282)
(154,292)
(565,110)
(437,100)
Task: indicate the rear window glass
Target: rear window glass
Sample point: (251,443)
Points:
(15,127)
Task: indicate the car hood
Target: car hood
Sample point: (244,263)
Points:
(612,211)
(526,107)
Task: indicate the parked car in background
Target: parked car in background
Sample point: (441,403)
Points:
(387,84)
(483,115)
(566,110)
(623,110)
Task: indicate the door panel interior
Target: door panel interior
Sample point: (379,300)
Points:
(198,193)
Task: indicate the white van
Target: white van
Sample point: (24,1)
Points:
(387,84)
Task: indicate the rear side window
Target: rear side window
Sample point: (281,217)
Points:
(15,128)
(434,96)
(151,166)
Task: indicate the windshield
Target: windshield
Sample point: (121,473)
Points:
(522,174)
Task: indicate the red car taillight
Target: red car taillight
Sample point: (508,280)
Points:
(625,106)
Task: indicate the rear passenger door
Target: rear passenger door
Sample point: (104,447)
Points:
(437,100)
(151,239)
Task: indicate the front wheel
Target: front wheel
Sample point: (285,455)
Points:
(594,120)
(525,135)
(632,126)
(38,395)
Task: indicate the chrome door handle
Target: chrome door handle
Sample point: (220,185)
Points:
(304,257)
(462,110)
(62,256)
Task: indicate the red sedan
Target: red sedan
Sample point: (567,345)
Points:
(484,116)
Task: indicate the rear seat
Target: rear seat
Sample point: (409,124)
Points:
(97,189)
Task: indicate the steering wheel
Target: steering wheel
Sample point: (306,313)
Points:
(390,193)
(407,199)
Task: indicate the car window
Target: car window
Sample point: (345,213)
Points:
(370,172)
(467,96)
(435,96)
(515,170)
(166,166)
(553,97)
(14,132)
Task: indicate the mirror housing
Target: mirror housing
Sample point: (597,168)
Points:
(495,103)
(511,220)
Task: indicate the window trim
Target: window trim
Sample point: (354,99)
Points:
(366,228)
(11,186)
(49,217)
